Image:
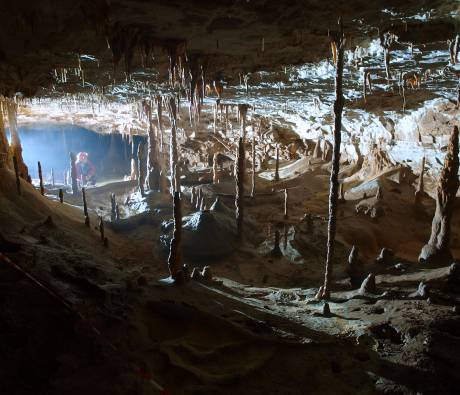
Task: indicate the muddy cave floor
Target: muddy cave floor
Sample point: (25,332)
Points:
(255,329)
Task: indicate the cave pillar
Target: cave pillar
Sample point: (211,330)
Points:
(437,249)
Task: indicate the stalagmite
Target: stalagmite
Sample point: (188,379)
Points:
(61,195)
(16,172)
(52,177)
(379,194)
(277,164)
(85,206)
(239,212)
(175,251)
(40,177)
(420,187)
(339,39)
(140,168)
(73,174)
(437,250)
(286,194)
(253,172)
(215,168)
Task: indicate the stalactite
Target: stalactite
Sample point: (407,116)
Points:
(159,103)
(15,142)
(4,145)
(175,248)
(101,229)
(242,114)
(286,208)
(193,196)
(73,174)
(253,173)
(215,168)
(134,169)
(277,164)
(342,193)
(16,172)
(437,250)
(113,207)
(85,206)
(173,155)
(339,39)
(40,177)
(276,252)
(153,167)
(386,41)
(140,168)
(117,212)
(239,212)
(317,152)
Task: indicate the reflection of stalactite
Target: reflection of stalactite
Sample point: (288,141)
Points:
(437,250)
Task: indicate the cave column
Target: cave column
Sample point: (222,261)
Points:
(437,249)
(339,41)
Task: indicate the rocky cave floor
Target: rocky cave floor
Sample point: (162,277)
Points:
(255,327)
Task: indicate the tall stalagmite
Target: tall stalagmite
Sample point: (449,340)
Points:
(175,253)
(437,249)
(339,40)
(239,212)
